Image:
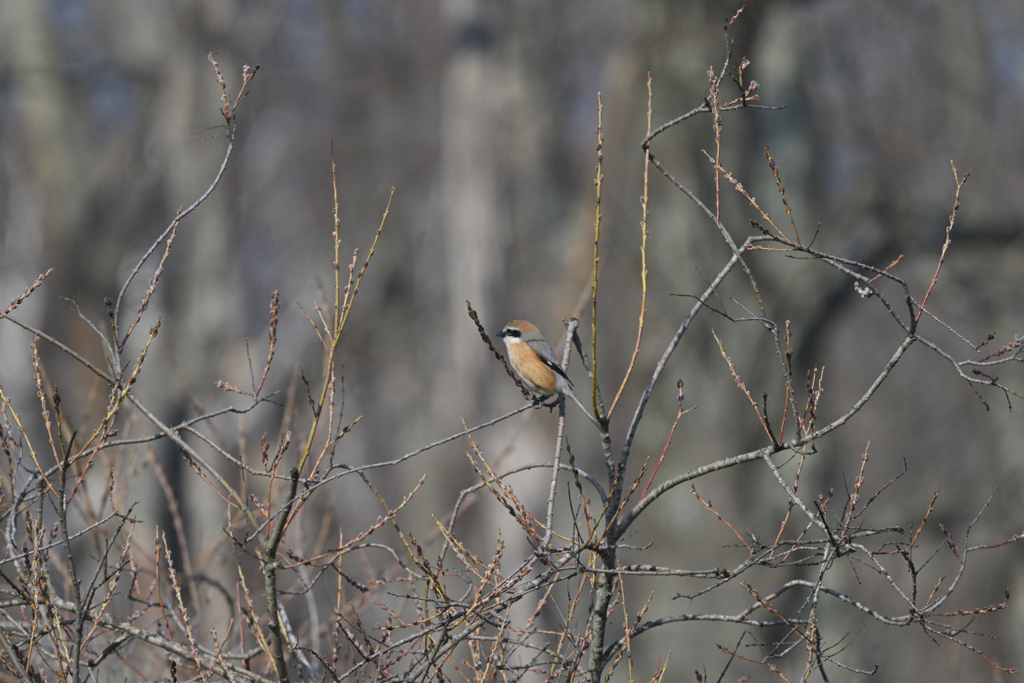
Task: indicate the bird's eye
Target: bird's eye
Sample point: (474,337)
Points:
(514,333)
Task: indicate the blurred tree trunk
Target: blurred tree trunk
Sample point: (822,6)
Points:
(475,226)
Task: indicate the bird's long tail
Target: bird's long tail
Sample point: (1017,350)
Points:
(589,414)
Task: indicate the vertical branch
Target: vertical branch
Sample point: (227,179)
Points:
(643,256)
(782,192)
(597,235)
(560,438)
(76,589)
(949,231)
(549,518)
(599,618)
(336,237)
(343,299)
(268,560)
(716,116)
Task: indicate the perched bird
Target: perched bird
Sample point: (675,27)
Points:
(535,363)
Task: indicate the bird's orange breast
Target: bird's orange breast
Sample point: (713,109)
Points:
(532,369)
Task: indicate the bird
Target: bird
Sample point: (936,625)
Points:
(535,363)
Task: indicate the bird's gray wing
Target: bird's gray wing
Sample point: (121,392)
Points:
(543,350)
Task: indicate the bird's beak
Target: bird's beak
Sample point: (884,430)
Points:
(501,335)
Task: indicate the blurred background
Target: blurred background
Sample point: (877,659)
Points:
(482,116)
